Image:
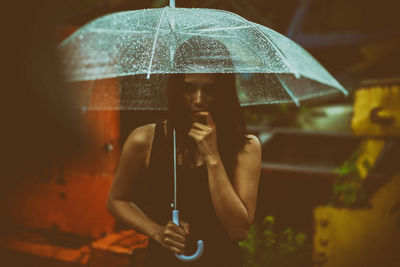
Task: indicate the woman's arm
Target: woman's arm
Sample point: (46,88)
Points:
(235,203)
(128,179)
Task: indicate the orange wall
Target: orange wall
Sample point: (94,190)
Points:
(71,195)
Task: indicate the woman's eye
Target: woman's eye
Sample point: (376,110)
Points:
(209,89)
(189,88)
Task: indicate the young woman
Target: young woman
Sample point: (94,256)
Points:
(218,169)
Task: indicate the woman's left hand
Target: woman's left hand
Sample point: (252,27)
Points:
(205,136)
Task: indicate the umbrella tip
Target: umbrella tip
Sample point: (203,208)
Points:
(343,90)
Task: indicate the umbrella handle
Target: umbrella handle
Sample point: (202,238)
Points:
(200,244)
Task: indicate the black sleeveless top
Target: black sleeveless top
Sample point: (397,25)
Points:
(195,206)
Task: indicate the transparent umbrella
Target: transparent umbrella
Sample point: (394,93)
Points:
(147,44)
(271,67)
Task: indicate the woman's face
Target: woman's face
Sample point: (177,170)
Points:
(199,93)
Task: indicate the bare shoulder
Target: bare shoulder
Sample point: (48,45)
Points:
(254,144)
(142,136)
(138,145)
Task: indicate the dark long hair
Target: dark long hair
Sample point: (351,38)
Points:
(226,113)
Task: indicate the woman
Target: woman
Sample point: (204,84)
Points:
(218,168)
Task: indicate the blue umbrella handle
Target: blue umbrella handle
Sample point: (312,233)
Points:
(200,244)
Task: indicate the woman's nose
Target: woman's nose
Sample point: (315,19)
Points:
(198,97)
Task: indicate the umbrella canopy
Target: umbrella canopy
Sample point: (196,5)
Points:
(271,67)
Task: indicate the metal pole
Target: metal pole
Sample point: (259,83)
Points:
(175,206)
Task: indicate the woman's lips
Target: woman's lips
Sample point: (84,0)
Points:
(197,117)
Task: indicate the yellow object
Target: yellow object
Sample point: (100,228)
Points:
(360,237)
(350,237)
(370,150)
(377,110)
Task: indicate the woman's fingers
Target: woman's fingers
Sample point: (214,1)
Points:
(174,237)
(174,249)
(200,131)
(176,232)
(185,226)
(206,116)
(174,244)
(200,126)
(196,131)
(195,134)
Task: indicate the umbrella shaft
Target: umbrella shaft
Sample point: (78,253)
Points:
(174,137)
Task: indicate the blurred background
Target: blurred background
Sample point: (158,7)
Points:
(330,187)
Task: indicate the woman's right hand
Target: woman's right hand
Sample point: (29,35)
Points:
(173,237)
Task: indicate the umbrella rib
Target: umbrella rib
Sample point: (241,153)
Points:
(154,44)
(337,87)
(266,102)
(279,51)
(333,91)
(296,101)
(171,23)
(207,35)
(225,28)
(172,26)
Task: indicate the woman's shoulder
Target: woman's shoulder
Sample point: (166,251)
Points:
(253,139)
(253,143)
(141,136)
(250,156)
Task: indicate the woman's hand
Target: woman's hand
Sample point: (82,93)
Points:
(173,237)
(205,136)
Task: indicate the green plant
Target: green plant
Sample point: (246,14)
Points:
(348,188)
(265,246)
